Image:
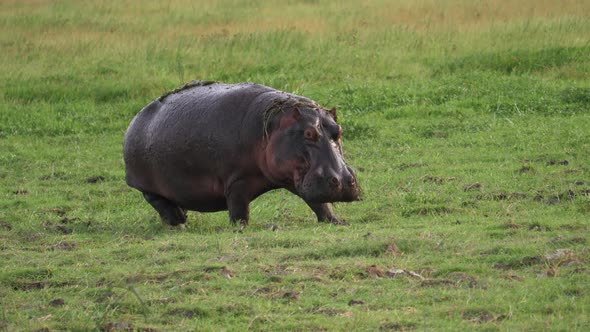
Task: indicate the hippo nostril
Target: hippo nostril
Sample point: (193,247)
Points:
(334,182)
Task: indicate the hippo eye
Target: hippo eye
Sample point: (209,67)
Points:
(311,134)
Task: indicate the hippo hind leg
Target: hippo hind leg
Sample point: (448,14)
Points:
(170,213)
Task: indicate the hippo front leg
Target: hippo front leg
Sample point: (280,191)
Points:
(325,213)
(238,204)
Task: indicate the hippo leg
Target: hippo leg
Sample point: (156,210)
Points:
(238,204)
(170,213)
(325,214)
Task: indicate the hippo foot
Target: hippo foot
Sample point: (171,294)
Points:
(170,213)
(336,221)
(339,222)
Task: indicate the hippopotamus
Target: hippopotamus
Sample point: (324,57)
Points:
(210,146)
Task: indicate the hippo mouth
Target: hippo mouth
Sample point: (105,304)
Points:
(314,188)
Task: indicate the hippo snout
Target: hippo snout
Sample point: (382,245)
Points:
(320,186)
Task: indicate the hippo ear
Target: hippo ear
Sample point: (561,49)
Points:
(333,113)
(290,118)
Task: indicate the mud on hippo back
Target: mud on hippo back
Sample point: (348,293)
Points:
(210,146)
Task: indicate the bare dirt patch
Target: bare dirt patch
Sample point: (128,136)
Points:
(479,316)
(398,326)
(392,249)
(95,179)
(57,302)
(63,245)
(5,225)
(501,196)
(428,210)
(405,166)
(375,272)
(473,187)
(511,225)
(519,263)
(557,162)
(116,326)
(438,179)
(328,311)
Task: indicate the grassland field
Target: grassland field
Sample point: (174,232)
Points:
(467,121)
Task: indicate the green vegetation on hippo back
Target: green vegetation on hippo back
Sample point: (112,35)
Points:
(210,146)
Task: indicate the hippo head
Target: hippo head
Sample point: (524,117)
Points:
(304,154)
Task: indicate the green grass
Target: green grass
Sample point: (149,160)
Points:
(467,123)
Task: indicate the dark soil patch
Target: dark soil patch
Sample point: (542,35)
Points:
(511,276)
(437,180)
(375,271)
(337,273)
(291,296)
(567,196)
(5,225)
(560,257)
(558,162)
(54,176)
(63,229)
(473,186)
(437,282)
(49,226)
(501,196)
(276,270)
(116,326)
(57,302)
(537,227)
(355,302)
(436,134)
(26,286)
(66,220)
(392,249)
(398,326)
(480,316)
(23,285)
(272,227)
(147,329)
(526,169)
(226,273)
(64,246)
(561,240)
(511,225)
(20,192)
(462,278)
(572,227)
(405,166)
(519,263)
(265,290)
(95,179)
(189,313)
(327,311)
(162,301)
(106,295)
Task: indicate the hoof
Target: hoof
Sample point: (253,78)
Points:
(339,223)
(335,221)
